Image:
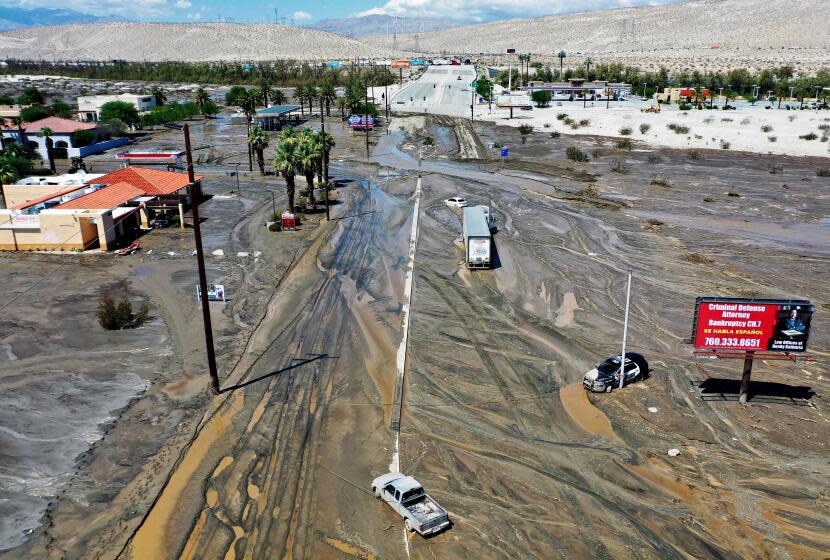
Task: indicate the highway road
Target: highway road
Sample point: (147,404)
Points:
(438,91)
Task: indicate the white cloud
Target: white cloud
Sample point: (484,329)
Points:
(183,4)
(488,10)
(300,15)
(194,16)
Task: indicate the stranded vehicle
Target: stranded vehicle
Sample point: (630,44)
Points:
(477,239)
(456,201)
(406,496)
(606,376)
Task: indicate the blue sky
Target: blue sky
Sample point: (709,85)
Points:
(304,12)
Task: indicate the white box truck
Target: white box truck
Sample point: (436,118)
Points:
(477,239)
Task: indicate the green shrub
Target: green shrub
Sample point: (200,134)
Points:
(625,131)
(724,145)
(541,97)
(81,138)
(584,122)
(525,129)
(555,134)
(772,138)
(34,113)
(573,153)
(678,128)
(625,144)
(810,136)
(654,159)
(660,180)
(561,116)
(823,172)
(617,166)
(116,315)
(644,128)
(695,154)
(169,113)
(120,110)
(684,106)
(766,128)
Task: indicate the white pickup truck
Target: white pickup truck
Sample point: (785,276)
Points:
(406,496)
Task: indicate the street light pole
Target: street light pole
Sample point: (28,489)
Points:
(625,331)
(200,260)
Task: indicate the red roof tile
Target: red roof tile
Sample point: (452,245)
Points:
(58,125)
(104,199)
(151,181)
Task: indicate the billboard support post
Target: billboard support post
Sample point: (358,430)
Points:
(745,378)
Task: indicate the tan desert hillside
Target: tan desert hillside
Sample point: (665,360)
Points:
(180,41)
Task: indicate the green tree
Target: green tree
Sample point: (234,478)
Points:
(81,138)
(234,94)
(541,97)
(328,94)
(561,55)
(258,140)
(278,97)
(159,95)
(120,110)
(309,160)
(201,98)
(325,142)
(47,133)
(34,113)
(286,161)
(62,110)
(264,92)
(30,96)
(248,104)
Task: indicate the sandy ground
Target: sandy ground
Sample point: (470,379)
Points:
(494,422)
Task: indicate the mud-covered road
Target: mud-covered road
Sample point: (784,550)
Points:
(494,421)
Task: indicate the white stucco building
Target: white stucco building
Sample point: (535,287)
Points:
(89,106)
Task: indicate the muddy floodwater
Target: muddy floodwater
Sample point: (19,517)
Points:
(494,420)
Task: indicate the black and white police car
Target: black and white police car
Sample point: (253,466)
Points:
(606,376)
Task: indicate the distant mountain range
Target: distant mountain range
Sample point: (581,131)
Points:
(13,18)
(381,25)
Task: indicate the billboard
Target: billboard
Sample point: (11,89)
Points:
(361,121)
(333,64)
(400,63)
(751,324)
(416,62)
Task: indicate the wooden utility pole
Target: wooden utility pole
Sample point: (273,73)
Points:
(324,159)
(747,374)
(200,260)
(366,121)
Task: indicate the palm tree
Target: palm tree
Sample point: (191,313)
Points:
(258,141)
(264,92)
(278,97)
(159,94)
(299,95)
(311,95)
(309,160)
(48,133)
(8,174)
(287,162)
(248,102)
(325,142)
(341,104)
(588,62)
(328,94)
(201,98)
(561,56)
(21,134)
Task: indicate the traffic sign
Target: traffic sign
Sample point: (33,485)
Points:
(504,152)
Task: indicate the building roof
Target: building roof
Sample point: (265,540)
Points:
(277,110)
(104,198)
(47,197)
(150,181)
(59,125)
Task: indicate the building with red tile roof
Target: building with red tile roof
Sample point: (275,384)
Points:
(105,198)
(153,182)
(64,145)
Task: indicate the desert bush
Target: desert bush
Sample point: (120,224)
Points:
(775,169)
(116,315)
(595,154)
(810,136)
(644,128)
(727,119)
(525,129)
(744,121)
(733,194)
(653,224)
(772,138)
(791,118)
(766,128)
(684,106)
(561,116)
(678,128)
(695,154)
(546,125)
(724,145)
(708,199)
(584,122)
(697,258)
(625,144)
(708,120)
(654,159)
(823,172)
(618,166)
(660,180)
(555,134)
(625,131)
(824,127)
(573,153)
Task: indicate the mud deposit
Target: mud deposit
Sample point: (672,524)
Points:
(494,421)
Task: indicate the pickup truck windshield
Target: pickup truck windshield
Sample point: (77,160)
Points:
(412,496)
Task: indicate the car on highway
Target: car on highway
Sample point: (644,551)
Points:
(407,497)
(458,78)
(456,201)
(606,376)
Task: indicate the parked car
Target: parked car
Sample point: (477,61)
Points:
(456,201)
(606,376)
(407,497)
(161,222)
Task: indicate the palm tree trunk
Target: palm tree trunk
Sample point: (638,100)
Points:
(309,179)
(260,159)
(289,191)
(250,155)
(50,154)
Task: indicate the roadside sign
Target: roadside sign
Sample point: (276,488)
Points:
(215,292)
(474,84)
(511,51)
(751,324)
(504,152)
